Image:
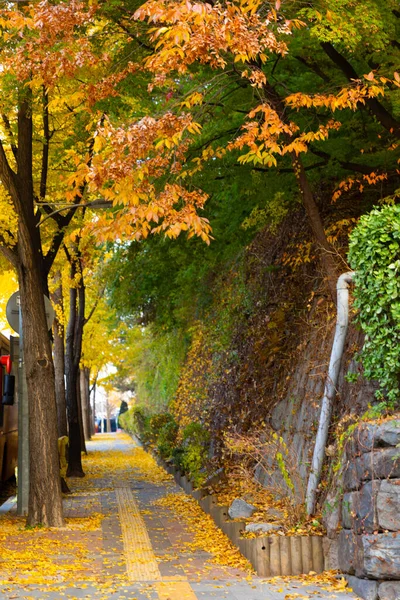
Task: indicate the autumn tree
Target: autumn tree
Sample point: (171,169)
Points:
(257,44)
(54,77)
(82,260)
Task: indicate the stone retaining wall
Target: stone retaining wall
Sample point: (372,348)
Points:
(369,543)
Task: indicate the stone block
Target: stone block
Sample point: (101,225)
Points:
(359,510)
(382,463)
(331,515)
(365,588)
(275,513)
(381,558)
(351,476)
(369,436)
(331,554)
(388,505)
(262,527)
(350,552)
(240,509)
(349,500)
(389,590)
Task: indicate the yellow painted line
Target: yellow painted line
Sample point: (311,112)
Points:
(141,564)
(175,590)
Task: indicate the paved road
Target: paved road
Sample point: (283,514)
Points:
(118,544)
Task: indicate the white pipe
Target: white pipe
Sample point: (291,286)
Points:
(342,322)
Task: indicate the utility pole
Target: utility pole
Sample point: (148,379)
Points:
(14,318)
(23,428)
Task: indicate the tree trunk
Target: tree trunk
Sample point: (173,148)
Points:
(85,402)
(94,406)
(326,254)
(45,500)
(80,415)
(45,504)
(108,421)
(72,357)
(59,359)
(326,251)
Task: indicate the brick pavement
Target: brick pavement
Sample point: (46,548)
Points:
(118,545)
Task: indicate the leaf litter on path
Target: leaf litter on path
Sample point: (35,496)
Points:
(59,558)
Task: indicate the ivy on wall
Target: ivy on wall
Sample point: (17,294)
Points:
(375,256)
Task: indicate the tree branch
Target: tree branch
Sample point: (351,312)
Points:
(348,165)
(322,163)
(313,66)
(73,207)
(13,145)
(211,140)
(95,305)
(64,221)
(45,151)
(376,108)
(8,176)
(133,36)
(8,253)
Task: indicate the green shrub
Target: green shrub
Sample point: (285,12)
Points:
(375,256)
(195,446)
(156,423)
(136,421)
(167,439)
(177,456)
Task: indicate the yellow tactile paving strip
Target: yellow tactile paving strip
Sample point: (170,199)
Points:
(141,564)
(175,590)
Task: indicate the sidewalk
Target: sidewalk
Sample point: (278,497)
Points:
(132,534)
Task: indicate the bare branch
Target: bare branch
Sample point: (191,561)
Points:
(95,204)
(95,305)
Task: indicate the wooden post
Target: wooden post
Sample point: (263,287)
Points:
(286,562)
(317,554)
(205,504)
(274,555)
(235,527)
(246,548)
(295,547)
(306,551)
(261,559)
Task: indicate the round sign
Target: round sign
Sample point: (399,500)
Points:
(12,311)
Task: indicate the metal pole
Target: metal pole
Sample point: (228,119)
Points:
(23,429)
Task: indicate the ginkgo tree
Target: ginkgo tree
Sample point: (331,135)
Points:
(54,77)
